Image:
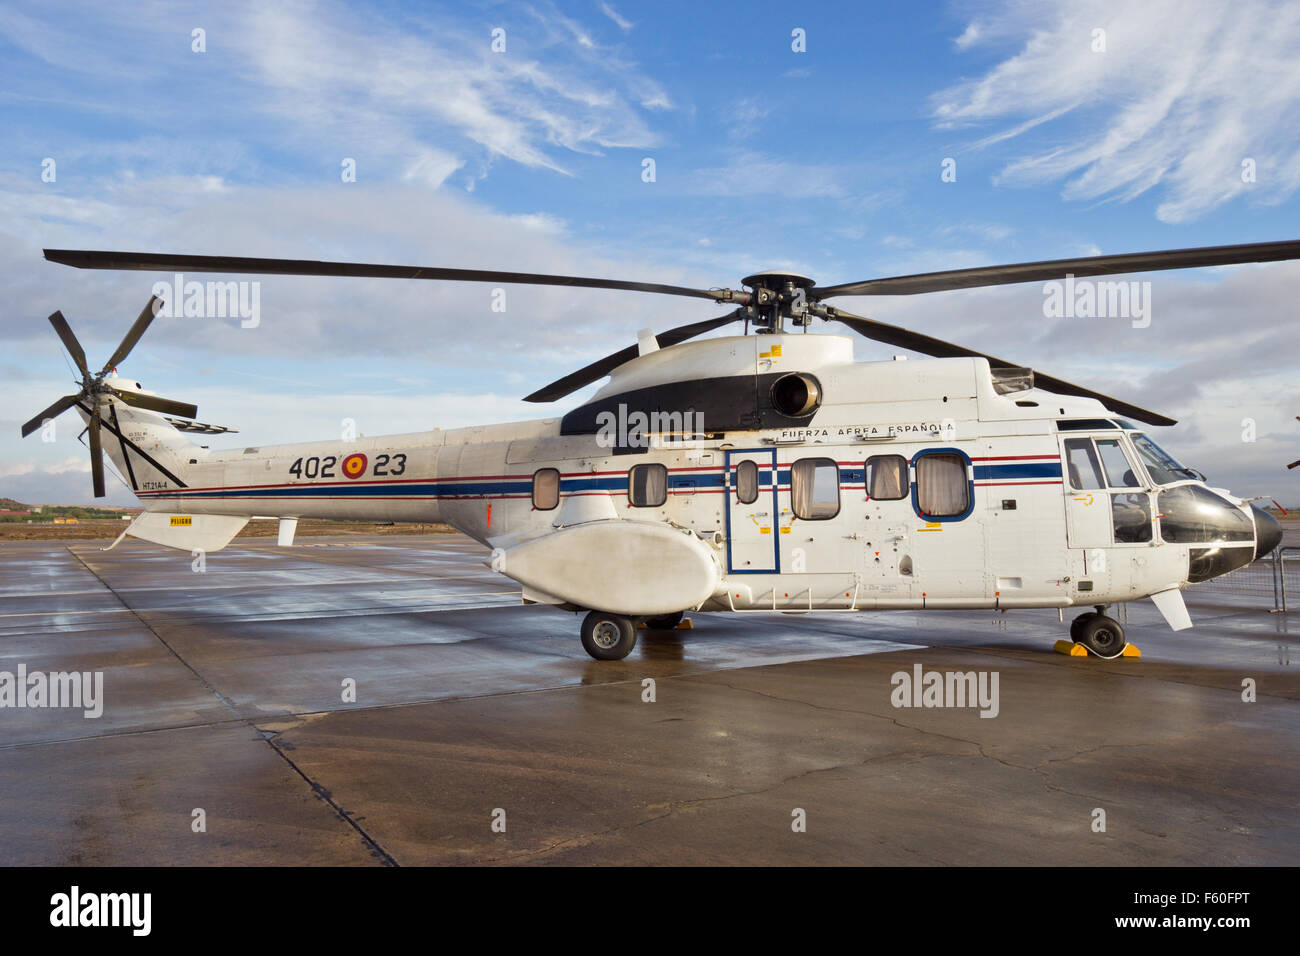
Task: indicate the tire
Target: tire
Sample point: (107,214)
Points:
(1076,626)
(665,622)
(608,637)
(1103,636)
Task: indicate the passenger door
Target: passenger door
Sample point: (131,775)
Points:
(751,511)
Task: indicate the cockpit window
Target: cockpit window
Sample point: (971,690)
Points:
(1164,468)
(1191,515)
(1131,517)
(1119,470)
(1082,464)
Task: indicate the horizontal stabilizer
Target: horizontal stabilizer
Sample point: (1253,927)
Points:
(187,532)
(201,428)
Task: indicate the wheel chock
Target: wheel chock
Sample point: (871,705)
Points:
(1071,649)
(683,625)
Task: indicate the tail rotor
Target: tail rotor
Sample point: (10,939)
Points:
(95,389)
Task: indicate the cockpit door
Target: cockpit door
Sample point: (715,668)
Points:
(1087,502)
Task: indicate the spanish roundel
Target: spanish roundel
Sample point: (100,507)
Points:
(354,466)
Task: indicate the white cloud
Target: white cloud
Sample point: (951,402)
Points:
(379,87)
(540,222)
(623,24)
(1183,93)
(970,36)
(749,173)
(10,469)
(991,232)
(310,325)
(432,167)
(743,118)
(324,77)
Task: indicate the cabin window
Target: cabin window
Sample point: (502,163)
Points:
(942,488)
(815,488)
(1119,469)
(647,486)
(546,489)
(1082,464)
(887,477)
(747,482)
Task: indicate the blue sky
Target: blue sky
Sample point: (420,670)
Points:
(827,161)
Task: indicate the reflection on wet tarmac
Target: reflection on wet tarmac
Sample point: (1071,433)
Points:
(223,691)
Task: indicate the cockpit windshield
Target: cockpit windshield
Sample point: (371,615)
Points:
(1164,468)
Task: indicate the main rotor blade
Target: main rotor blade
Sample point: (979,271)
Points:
(133,334)
(928,345)
(96,455)
(1061,387)
(162,262)
(1059,268)
(70,342)
(58,408)
(602,367)
(157,404)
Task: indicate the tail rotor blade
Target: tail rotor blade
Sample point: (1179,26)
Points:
(70,342)
(155,403)
(58,408)
(133,334)
(96,456)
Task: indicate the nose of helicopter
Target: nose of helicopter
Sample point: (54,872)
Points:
(1268,531)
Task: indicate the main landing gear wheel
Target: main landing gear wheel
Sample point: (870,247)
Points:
(608,637)
(665,622)
(1102,635)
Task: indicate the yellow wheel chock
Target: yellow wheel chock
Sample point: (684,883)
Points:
(1071,649)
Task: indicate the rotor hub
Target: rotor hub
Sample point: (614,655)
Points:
(779,295)
(776,280)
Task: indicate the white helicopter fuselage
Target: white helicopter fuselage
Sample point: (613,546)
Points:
(918,484)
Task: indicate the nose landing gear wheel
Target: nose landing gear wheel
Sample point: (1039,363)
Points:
(608,637)
(1100,634)
(1076,626)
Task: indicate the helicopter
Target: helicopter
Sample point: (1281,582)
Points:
(759,472)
